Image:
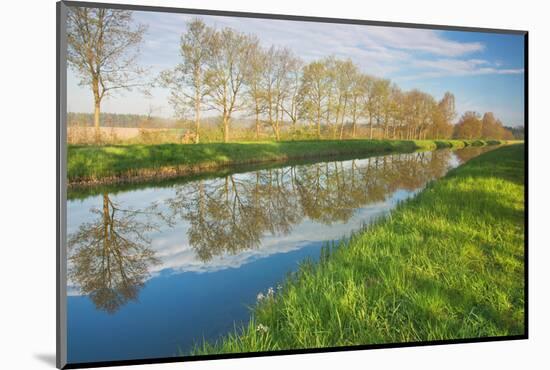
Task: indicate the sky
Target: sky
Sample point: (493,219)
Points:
(485,71)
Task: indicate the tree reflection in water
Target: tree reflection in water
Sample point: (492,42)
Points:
(110,257)
(469,153)
(232,213)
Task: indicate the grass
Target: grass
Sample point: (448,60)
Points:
(122,163)
(447,264)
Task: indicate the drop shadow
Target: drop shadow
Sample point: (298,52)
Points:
(46,358)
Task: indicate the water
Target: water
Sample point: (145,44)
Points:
(155,270)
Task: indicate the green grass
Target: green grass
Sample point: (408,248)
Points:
(112,163)
(447,264)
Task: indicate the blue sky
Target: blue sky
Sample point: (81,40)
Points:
(485,71)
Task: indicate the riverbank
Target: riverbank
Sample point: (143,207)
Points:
(94,165)
(448,264)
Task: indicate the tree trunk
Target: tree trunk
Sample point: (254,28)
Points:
(277,134)
(319,123)
(197,116)
(343,116)
(257,125)
(370,124)
(96,121)
(225,128)
(97,108)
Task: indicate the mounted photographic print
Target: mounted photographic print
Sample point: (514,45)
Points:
(237,184)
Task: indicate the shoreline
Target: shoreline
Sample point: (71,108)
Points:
(90,166)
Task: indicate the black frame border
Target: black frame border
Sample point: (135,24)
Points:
(61,186)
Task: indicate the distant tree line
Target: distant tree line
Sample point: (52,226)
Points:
(228,73)
(518,132)
(119,120)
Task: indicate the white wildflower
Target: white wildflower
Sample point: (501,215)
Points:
(279,287)
(270,292)
(261,328)
(260,297)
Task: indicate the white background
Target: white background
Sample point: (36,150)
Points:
(27,205)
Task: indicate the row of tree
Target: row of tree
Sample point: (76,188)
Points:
(229,72)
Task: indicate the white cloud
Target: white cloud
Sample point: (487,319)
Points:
(379,50)
(457,67)
(419,40)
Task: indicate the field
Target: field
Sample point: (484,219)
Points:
(447,264)
(123,163)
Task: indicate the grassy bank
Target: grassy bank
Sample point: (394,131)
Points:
(447,264)
(123,163)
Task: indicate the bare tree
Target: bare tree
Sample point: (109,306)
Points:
(359,96)
(292,104)
(103,46)
(187,81)
(277,81)
(257,66)
(314,89)
(347,75)
(228,69)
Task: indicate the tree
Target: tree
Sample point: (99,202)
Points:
(256,70)
(505,133)
(315,87)
(277,81)
(187,81)
(490,129)
(228,68)
(331,91)
(347,75)
(444,113)
(427,107)
(376,100)
(413,113)
(395,109)
(469,126)
(103,46)
(359,95)
(293,102)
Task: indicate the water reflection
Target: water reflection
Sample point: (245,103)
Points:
(233,213)
(110,257)
(111,251)
(466,154)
